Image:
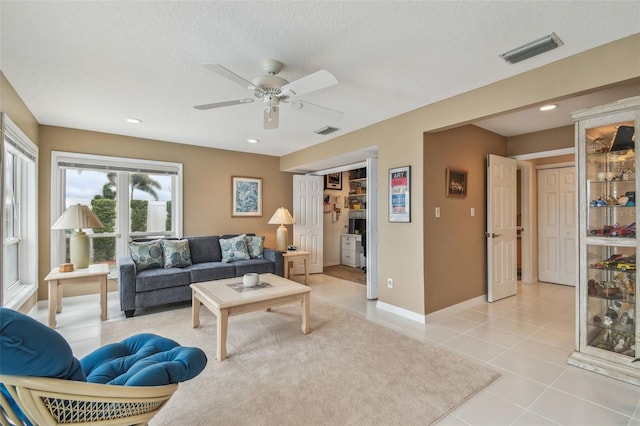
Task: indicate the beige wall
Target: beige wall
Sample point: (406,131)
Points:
(399,140)
(454,244)
(546,140)
(15,108)
(207,182)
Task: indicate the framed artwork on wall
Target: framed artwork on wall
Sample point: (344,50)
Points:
(456,183)
(333,181)
(246,197)
(399,194)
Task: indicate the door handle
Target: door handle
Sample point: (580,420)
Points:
(494,235)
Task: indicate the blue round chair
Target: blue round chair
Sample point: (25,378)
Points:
(41,382)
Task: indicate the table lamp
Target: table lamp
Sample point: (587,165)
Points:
(78,217)
(282,217)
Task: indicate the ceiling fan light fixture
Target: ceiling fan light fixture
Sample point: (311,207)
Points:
(533,48)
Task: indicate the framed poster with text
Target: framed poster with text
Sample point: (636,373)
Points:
(399,194)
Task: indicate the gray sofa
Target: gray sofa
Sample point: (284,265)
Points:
(159,286)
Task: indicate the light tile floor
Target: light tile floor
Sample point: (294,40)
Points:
(527,338)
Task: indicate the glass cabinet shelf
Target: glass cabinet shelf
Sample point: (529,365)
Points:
(607,311)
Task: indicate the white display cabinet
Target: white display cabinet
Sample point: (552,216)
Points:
(607,308)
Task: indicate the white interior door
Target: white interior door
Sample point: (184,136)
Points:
(307,212)
(502,279)
(557,227)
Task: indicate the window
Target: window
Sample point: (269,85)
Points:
(19,224)
(132,198)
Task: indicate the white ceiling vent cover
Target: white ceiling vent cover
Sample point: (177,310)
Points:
(532,48)
(326,130)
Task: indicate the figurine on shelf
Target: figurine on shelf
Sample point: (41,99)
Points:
(624,318)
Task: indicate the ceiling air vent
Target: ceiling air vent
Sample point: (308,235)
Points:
(326,130)
(532,49)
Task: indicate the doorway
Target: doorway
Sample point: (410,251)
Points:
(528,198)
(350,223)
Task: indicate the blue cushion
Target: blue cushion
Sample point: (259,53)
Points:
(255,246)
(30,348)
(234,249)
(147,254)
(143,360)
(176,253)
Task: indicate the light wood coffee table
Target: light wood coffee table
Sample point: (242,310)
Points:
(225,299)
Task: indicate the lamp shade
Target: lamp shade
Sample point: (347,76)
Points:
(77,216)
(281,217)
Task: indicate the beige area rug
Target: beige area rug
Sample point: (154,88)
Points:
(357,275)
(347,371)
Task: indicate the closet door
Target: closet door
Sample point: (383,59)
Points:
(557,226)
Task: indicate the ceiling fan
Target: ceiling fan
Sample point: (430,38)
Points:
(273,90)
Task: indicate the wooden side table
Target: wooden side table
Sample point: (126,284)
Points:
(57,279)
(290,256)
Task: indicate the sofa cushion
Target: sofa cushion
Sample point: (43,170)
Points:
(210,271)
(176,253)
(205,249)
(255,246)
(146,254)
(234,249)
(153,279)
(261,266)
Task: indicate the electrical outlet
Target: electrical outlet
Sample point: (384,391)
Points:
(390,282)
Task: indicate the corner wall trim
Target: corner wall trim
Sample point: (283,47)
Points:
(401,312)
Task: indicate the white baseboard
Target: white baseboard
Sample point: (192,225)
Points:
(401,312)
(434,316)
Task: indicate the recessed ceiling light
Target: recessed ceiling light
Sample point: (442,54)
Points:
(134,120)
(253,140)
(548,107)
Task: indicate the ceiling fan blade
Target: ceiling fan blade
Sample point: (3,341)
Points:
(230,75)
(224,104)
(318,110)
(310,83)
(271,117)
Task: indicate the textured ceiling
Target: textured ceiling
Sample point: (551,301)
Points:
(90,65)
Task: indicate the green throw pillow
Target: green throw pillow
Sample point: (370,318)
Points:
(146,254)
(176,253)
(255,247)
(234,249)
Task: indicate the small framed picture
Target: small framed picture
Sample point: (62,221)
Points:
(399,194)
(246,196)
(456,183)
(333,181)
